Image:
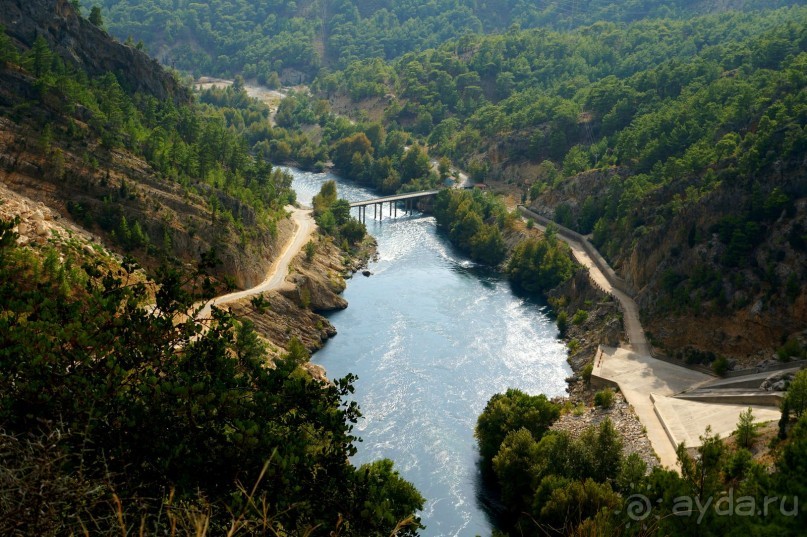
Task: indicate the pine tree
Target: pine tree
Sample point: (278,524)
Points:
(8,54)
(39,58)
(95,16)
(746,429)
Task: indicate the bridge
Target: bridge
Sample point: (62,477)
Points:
(408,198)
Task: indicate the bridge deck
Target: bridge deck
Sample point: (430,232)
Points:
(397,197)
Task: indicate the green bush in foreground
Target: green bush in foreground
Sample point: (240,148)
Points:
(604,398)
(512,411)
(150,405)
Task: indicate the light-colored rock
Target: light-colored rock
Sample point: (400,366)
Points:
(41,229)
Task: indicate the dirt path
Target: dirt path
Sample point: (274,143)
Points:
(305,226)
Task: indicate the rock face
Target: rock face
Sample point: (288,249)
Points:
(77,40)
(312,286)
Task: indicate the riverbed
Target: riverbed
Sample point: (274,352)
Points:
(432,336)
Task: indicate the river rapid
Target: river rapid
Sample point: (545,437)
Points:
(432,336)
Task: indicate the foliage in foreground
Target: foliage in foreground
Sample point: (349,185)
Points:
(141,411)
(552,483)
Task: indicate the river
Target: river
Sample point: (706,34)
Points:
(432,336)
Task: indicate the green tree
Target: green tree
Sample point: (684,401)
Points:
(39,57)
(509,412)
(341,211)
(797,393)
(166,401)
(792,466)
(326,197)
(415,164)
(567,507)
(8,53)
(513,466)
(538,265)
(394,502)
(353,231)
(746,429)
(95,16)
(784,420)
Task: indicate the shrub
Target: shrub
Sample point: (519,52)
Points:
(720,366)
(579,317)
(310,250)
(604,398)
(563,323)
(791,349)
(587,372)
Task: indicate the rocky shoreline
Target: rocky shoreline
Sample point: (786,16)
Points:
(600,325)
(313,286)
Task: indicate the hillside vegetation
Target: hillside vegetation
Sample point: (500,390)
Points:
(274,40)
(556,483)
(159,177)
(674,134)
(121,412)
(678,143)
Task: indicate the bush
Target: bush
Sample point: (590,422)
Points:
(791,349)
(604,398)
(720,366)
(587,372)
(579,317)
(563,323)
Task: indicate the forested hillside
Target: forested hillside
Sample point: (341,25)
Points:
(678,143)
(127,153)
(679,125)
(293,40)
(121,412)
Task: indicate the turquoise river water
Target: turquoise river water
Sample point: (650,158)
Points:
(432,336)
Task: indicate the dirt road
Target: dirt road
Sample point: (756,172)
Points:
(305,226)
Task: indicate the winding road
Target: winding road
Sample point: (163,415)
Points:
(304,227)
(649,384)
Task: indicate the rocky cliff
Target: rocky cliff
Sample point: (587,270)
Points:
(80,42)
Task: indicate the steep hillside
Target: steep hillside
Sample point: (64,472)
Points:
(86,46)
(120,413)
(124,152)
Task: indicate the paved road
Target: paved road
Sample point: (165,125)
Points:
(280,267)
(644,380)
(630,311)
(649,384)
